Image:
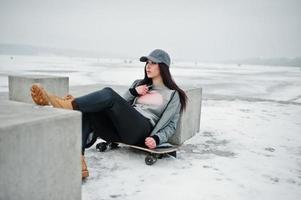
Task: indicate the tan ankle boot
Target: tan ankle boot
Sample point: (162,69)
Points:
(41,97)
(38,96)
(85,172)
(68,97)
(59,102)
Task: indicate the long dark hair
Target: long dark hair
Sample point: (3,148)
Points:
(168,82)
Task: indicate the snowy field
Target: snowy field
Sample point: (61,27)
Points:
(248,147)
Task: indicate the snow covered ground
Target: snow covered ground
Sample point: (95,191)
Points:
(245,150)
(248,147)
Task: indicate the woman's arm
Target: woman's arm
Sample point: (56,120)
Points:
(167,124)
(166,132)
(130,94)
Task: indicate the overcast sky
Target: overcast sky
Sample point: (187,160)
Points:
(187,29)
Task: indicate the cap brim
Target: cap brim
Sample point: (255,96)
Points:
(143,59)
(146,58)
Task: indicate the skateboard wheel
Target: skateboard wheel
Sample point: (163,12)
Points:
(113,145)
(91,140)
(150,159)
(102,146)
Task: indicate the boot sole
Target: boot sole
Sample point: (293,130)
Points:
(38,95)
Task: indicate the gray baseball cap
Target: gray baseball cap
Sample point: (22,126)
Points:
(158,56)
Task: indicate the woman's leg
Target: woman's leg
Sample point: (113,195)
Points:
(99,125)
(96,101)
(86,129)
(131,126)
(104,128)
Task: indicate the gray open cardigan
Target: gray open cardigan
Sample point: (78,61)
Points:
(167,124)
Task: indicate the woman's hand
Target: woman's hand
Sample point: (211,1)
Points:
(142,90)
(150,142)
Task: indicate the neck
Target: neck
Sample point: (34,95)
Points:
(158,81)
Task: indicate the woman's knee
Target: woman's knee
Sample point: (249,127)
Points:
(110,92)
(109,89)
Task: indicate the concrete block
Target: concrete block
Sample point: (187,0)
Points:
(40,151)
(189,123)
(19,86)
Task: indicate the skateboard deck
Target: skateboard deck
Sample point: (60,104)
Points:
(162,149)
(154,154)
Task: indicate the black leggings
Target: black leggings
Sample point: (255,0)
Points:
(111,118)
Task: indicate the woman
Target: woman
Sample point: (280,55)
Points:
(146,115)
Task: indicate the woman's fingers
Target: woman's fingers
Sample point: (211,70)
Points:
(150,142)
(145,90)
(142,89)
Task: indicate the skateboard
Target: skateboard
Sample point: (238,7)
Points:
(152,154)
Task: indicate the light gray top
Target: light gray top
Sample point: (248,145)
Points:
(167,124)
(152,104)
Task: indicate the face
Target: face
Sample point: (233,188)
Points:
(152,69)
